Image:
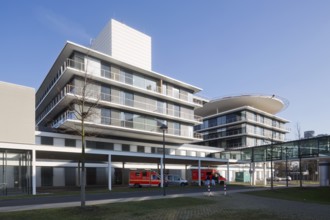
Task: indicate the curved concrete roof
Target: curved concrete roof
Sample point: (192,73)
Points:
(268,103)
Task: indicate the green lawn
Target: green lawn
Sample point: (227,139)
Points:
(306,194)
(178,208)
(171,209)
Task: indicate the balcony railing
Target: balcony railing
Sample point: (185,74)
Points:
(120,77)
(136,125)
(93,94)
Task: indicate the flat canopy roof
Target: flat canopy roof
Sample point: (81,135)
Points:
(268,103)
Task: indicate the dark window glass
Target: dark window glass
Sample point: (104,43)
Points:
(47,141)
(70,142)
(125,147)
(105,116)
(140,149)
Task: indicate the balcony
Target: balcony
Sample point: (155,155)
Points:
(129,128)
(120,77)
(118,100)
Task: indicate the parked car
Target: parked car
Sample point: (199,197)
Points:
(175,180)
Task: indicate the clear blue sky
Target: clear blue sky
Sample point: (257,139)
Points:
(277,47)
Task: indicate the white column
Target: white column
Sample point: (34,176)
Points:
(253,174)
(199,172)
(228,179)
(34,173)
(161,172)
(109,173)
(265,176)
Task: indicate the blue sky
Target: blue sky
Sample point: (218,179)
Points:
(235,47)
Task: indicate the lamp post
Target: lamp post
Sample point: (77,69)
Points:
(164,127)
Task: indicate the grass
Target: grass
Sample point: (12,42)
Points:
(177,208)
(319,195)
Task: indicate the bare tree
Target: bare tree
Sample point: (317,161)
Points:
(83,109)
(84,112)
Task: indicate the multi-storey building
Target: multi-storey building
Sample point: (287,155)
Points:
(242,121)
(130,102)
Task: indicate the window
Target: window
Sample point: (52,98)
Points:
(128,78)
(128,98)
(106,70)
(176,110)
(70,142)
(125,147)
(140,149)
(47,141)
(160,106)
(176,93)
(105,116)
(176,128)
(127,120)
(212,122)
(106,93)
(99,145)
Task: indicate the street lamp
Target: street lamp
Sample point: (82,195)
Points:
(164,127)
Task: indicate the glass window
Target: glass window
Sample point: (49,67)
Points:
(128,98)
(161,106)
(70,142)
(127,120)
(140,149)
(212,122)
(105,70)
(47,140)
(105,116)
(128,78)
(176,128)
(106,93)
(176,93)
(176,110)
(125,147)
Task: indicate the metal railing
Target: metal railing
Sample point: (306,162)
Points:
(93,94)
(145,126)
(120,77)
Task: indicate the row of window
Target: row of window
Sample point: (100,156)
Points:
(238,116)
(124,147)
(136,121)
(130,77)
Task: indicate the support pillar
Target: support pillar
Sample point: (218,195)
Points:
(227,177)
(34,173)
(199,172)
(265,176)
(109,172)
(122,174)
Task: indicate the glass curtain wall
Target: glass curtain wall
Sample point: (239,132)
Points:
(15,172)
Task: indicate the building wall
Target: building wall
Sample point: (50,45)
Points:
(17,113)
(125,44)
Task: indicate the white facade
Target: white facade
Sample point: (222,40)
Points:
(17,113)
(125,44)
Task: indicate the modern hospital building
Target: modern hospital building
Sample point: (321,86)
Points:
(40,141)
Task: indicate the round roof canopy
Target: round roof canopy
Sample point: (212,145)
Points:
(271,104)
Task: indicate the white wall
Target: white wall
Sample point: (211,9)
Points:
(17,114)
(125,44)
